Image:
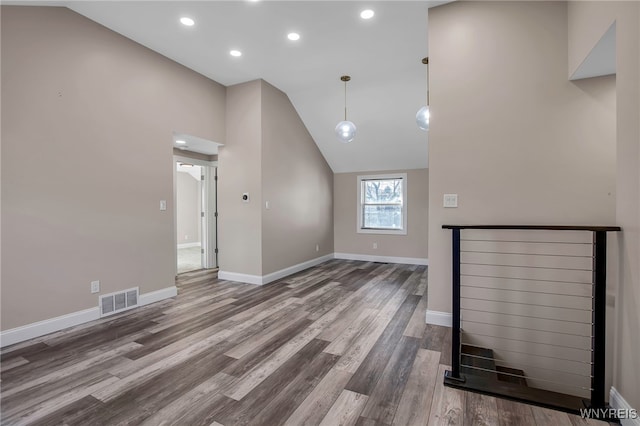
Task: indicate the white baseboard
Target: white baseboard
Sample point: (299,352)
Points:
(188,245)
(241,278)
(439,318)
(383,259)
(40,328)
(619,403)
(274,276)
(158,295)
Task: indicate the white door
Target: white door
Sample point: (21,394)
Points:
(209,217)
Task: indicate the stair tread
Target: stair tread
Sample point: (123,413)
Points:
(477,351)
(481,359)
(509,377)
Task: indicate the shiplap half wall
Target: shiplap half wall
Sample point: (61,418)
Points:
(527,296)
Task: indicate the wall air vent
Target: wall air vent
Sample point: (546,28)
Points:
(119,301)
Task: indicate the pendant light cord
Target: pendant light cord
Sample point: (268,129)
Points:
(345,101)
(426,62)
(345,78)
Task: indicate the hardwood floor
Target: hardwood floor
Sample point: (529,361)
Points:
(343,343)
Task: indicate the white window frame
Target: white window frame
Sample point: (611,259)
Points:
(359,200)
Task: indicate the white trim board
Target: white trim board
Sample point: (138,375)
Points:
(383,259)
(158,295)
(196,161)
(241,278)
(274,276)
(41,328)
(189,245)
(617,402)
(439,318)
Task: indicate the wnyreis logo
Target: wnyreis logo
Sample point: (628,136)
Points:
(609,413)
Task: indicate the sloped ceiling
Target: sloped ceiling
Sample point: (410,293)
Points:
(382,55)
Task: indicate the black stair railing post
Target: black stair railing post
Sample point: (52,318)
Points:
(455,331)
(599,318)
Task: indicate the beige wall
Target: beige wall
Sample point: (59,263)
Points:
(83,108)
(348,240)
(269,154)
(516,140)
(586,19)
(627,375)
(240,171)
(188,208)
(298,184)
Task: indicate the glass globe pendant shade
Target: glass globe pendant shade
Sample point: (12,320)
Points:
(345,131)
(422,118)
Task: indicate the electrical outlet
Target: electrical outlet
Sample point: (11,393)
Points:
(375,245)
(95,286)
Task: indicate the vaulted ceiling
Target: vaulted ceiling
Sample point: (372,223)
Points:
(382,55)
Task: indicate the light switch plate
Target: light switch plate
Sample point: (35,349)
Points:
(163,205)
(450,200)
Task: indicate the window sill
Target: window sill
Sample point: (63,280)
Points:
(382,231)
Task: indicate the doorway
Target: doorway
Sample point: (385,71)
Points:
(188,216)
(195,220)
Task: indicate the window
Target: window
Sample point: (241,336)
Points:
(382,204)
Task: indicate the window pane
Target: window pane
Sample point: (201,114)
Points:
(389,217)
(382,191)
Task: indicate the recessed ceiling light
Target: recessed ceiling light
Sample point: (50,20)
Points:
(235,53)
(293,36)
(187,21)
(181,142)
(367,14)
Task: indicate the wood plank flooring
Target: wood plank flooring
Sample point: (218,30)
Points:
(343,343)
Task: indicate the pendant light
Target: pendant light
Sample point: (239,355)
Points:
(345,130)
(422,117)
